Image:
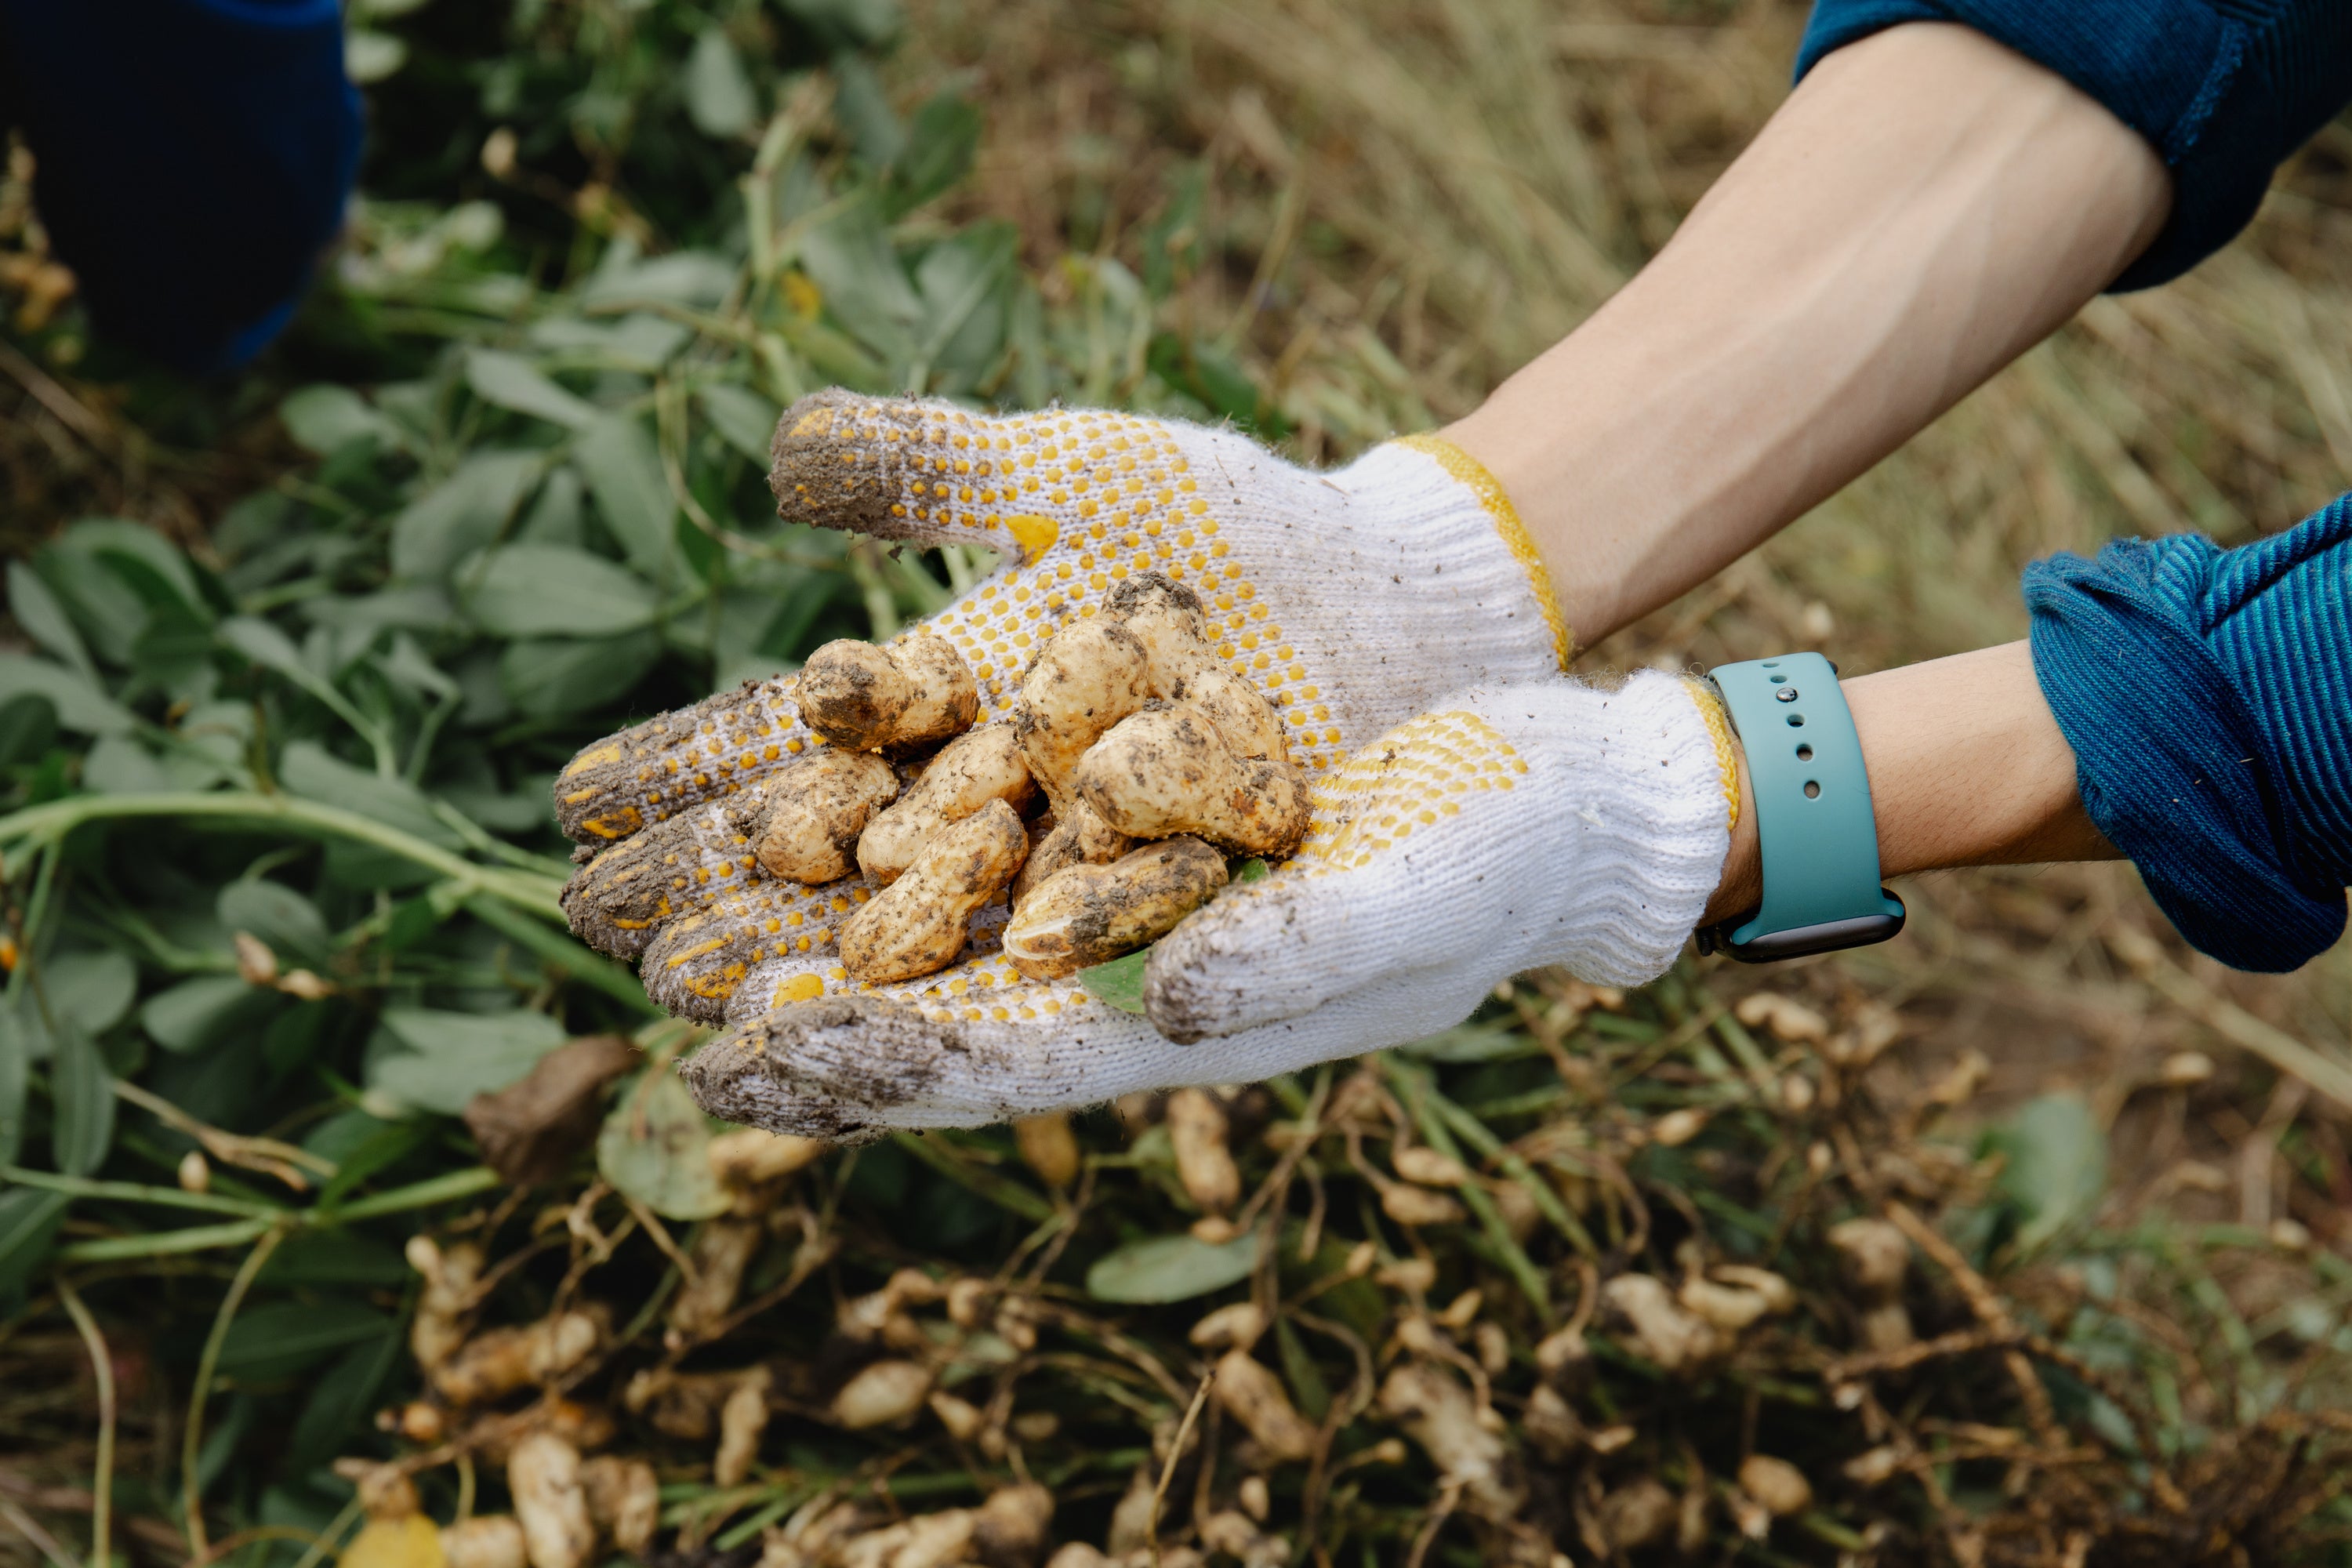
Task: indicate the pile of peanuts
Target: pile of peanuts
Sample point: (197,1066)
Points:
(1153,762)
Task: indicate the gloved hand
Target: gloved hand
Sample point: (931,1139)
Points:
(1509,827)
(1355,600)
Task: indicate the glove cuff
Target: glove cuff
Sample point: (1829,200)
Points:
(1644,795)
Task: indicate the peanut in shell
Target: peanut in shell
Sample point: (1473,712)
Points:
(1172,770)
(915,692)
(973,770)
(917,924)
(1086,914)
(820,807)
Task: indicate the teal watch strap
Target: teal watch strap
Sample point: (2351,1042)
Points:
(1817,835)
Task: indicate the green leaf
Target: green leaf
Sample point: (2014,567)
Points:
(1299,1369)
(83,1090)
(965,283)
(654,1147)
(28,728)
(80,706)
(615,454)
(280,1338)
(193,1014)
(99,537)
(120,766)
(940,142)
(555,677)
(45,619)
(511,382)
(344,1394)
(289,923)
(17,1030)
(1118,983)
(718,94)
(91,989)
(853,24)
(28,1224)
(325,419)
(438,1060)
(856,269)
(310,771)
(1171,1269)
(2057,1165)
(547,589)
(745,420)
(461,514)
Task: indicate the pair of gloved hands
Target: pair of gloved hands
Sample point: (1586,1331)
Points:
(1476,814)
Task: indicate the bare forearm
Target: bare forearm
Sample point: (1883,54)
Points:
(1925,207)
(1967,768)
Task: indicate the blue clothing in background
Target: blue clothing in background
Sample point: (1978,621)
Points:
(2207,695)
(2223,89)
(194,157)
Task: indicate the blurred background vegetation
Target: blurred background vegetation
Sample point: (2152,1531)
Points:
(290,662)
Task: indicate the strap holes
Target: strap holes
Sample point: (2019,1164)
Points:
(1804,754)
(1796,720)
(1813,790)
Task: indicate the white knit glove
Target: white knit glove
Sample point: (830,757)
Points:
(1354,599)
(1509,827)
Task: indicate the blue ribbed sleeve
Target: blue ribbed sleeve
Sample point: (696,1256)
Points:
(194,157)
(2223,89)
(2207,695)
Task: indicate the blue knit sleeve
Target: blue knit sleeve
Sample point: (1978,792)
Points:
(193,157)
(2223,89)
(2207,695)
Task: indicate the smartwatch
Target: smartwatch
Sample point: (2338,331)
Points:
(1817,836)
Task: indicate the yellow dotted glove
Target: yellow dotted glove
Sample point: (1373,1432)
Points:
(1509,827)
(1354,599)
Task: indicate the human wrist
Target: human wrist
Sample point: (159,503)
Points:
(1967,766)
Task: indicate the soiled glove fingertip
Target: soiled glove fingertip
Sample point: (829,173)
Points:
(1224,969)
(833,1069)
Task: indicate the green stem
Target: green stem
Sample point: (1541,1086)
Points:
(417,1196)
(102,1365)
(136,1192)
(51,822)
(36,911)
(1417,1091)
(193,1441)
(164,1244)
(1482,1137)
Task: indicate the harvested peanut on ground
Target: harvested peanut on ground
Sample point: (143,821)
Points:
(624,1499)
(916,693)
(485,1541)
(1090,914)
(1171,769)
(816,810)
(543,1474)
(919,924)
(1197,1130)
(983,766)
(1048,1147)
(1079,839)
(1254,1396)
(500,1361)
